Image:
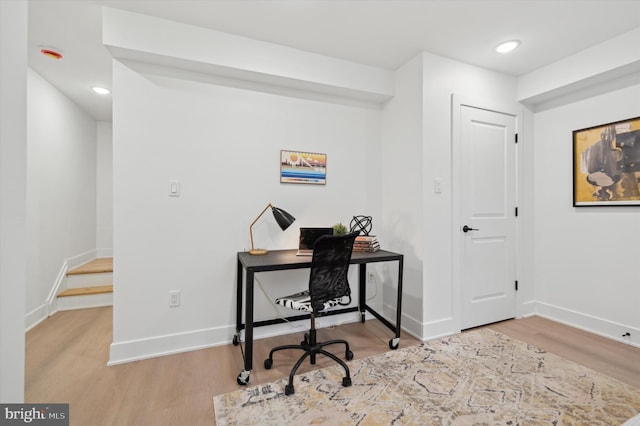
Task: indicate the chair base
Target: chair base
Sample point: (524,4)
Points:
(312,348)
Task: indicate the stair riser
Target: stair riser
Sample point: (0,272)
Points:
(89,280)
(84,301)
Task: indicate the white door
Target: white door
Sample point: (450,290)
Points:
(487,206)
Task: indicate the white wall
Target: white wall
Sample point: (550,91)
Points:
(221,142)
(223,145)
(416,151)
(401,223)
(442,78)
(586,258)
(104,190)
(579,74)
(61,189)
(238,60)
(13,178)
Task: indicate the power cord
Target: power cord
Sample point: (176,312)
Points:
(375,281)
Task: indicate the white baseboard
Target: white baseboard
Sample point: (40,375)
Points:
(526,309)
(60,282)
(419,330)
(81,259)
(136,350)
(600,326)
(58,286)
(51,304)
(36,316)
(303,325)
(409,324)
(439,328)
(105,252)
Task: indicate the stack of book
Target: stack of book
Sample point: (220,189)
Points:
(366,243)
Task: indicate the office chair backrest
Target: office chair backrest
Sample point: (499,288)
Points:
(329,267)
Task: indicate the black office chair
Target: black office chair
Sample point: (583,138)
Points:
(328,287)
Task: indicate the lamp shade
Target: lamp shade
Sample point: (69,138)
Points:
(283,218)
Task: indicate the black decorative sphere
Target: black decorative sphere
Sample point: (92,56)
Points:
(362,224)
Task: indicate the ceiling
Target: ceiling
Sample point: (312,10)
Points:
(382,33)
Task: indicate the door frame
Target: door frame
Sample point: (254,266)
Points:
(509,108)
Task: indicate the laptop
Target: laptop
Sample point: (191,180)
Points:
(308,237)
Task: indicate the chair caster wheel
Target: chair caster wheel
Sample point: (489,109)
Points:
(243,377)
(236,340)
(288,390)
(348,355)
(268,363)
(394,343)
(346,382)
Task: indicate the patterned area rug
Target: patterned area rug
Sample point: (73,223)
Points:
(480,377)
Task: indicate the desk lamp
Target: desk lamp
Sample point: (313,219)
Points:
(283,218)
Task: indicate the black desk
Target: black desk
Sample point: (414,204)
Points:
(279,260)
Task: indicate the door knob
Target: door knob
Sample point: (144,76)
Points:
(467,229)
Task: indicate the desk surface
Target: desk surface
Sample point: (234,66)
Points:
(287,259)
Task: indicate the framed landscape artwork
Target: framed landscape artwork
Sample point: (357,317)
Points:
(606,164)
(303,167)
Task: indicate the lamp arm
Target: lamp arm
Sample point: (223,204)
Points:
(254,222)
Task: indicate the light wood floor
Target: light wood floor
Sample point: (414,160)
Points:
(66,359)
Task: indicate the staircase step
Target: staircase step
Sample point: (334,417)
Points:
(82,291)
(87,286)
(102,264)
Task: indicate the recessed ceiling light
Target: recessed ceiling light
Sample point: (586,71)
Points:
(51,53)
(507,46)
(101,90)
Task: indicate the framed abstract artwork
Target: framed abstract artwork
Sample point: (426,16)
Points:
(303,167)
(606,164)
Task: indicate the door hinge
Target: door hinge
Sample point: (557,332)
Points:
(516,138)
(516,285)
(516,212)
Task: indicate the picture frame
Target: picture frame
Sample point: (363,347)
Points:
(606,164)
(303,167)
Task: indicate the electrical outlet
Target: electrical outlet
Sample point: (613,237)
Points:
(174,298)
(437,186)
(371,277)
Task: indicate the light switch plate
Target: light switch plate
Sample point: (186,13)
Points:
(174,188)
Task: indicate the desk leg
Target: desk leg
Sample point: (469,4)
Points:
(362,290)
(239,280)
(243,377)
(393,343)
